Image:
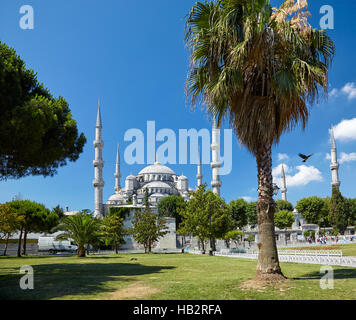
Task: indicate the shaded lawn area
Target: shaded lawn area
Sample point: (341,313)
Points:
(164,277)
(347,249)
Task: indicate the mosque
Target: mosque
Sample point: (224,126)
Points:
(158,179)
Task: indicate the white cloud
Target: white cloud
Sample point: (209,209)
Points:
(350,90)
(303,176)
(282,156)
(328,156)
(249,199)
(334,93)
(347,157)
(345,130)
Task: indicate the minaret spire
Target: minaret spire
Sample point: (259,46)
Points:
(334,166)
(98,117)
(98,163)
(215,164)
(199,170)
(284,185)
(117,172)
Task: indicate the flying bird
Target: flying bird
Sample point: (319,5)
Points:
(304,157)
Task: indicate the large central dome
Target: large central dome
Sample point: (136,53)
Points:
(157,168)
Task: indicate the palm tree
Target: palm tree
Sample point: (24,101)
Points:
(81,228)
(261,68)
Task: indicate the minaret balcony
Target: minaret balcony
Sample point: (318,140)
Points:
(334,166)
(98,144)
(98,163)
(215,165)
(98,183)
(216,183)
(117,175)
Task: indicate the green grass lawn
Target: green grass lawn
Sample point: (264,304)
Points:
(347,249)
(165,277)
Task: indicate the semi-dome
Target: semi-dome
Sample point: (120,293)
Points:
(157,168)
(157,184)
(116,197)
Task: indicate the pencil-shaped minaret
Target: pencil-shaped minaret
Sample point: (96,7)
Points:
(334,166)
(98,163)
(117,172)
(215,164)
(284,185)
(199,170)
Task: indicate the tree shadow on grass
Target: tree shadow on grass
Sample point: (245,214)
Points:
(58,280)
(338,274)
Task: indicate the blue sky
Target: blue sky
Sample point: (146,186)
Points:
(131,55)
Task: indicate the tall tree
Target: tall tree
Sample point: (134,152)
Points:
(147,228)
(352,207)
(10,222)
(339,211)
(37,131)
(261,68)
(36,218)
(205,216)
(113,231)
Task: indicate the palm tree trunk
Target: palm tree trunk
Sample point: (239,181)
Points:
(81,251)
(268,264)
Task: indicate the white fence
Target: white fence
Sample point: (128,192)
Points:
(324,257)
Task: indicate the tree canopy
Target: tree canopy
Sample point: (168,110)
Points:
(170,207)
(283,219)
(147,228)
(284,205)
(203,206)
(37,132)
(313,209)
(339,211)
(251,212)
(238,212)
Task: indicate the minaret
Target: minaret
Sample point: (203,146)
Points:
(199,171)
(215,164)
(117,172)
(334,164)
(284,185)
(98,163)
